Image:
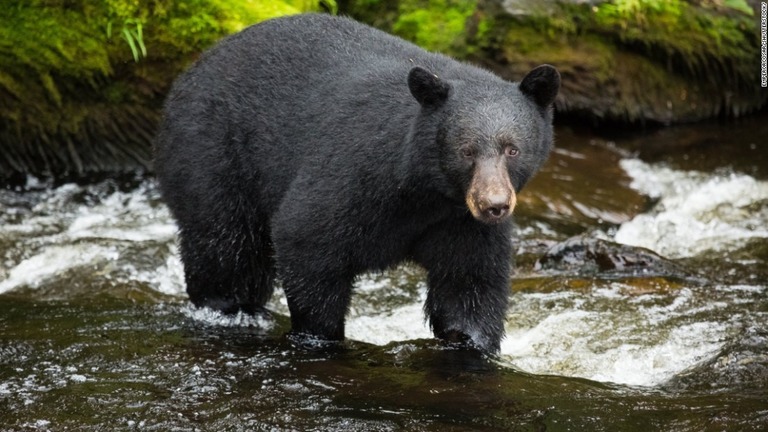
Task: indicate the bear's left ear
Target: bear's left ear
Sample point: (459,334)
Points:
(426,87)
(541,84)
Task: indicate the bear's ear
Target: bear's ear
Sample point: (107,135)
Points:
(426,87)
(541,84)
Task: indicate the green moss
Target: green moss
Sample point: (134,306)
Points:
(84,40)
(437,25)
(700,38)
(636,60)
(81,82)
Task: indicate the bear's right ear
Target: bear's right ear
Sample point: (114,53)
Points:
(541,84)
(426,87)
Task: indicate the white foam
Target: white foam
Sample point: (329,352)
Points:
(216,318)
(602,335)
(67,233)
(402,323)
(123,216)
(696,212)
(54,260)
(609,342)
(376,322)
(78,378)
(650,365)
(167,279)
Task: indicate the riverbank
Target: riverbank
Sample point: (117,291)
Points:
(82,86)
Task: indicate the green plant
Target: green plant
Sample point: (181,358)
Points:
(132,32)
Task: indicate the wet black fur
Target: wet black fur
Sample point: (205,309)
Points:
(297,148)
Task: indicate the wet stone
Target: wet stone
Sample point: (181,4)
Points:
(584,255)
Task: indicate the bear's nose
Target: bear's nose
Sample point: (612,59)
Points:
(491,197)
(496,207)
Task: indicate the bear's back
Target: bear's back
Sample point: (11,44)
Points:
(320,42)
(300,53)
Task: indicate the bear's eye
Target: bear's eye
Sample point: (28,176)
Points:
(467,152)
(511,151)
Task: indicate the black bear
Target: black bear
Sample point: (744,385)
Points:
(313,148)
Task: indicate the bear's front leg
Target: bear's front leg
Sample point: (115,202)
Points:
(468,265)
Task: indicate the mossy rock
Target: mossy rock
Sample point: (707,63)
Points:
(625,61)
(82,82)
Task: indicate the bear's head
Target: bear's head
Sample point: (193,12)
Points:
(492,135)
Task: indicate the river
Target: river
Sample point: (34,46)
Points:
(638,303)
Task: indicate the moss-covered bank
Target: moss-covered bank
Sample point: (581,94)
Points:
(82,82)
(628,61)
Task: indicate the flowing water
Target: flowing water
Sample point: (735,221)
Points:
(639,303)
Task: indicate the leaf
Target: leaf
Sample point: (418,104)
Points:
(129,38)
(140,38)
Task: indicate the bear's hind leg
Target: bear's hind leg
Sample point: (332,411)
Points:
(228,270)
(318,301)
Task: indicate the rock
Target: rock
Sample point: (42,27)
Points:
(583,255)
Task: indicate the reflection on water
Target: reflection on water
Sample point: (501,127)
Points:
(95,329)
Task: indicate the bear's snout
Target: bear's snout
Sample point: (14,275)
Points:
(496,206)
(491,197)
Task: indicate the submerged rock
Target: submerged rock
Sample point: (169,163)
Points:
(586,256)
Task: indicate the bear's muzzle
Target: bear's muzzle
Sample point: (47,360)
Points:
(491,197)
